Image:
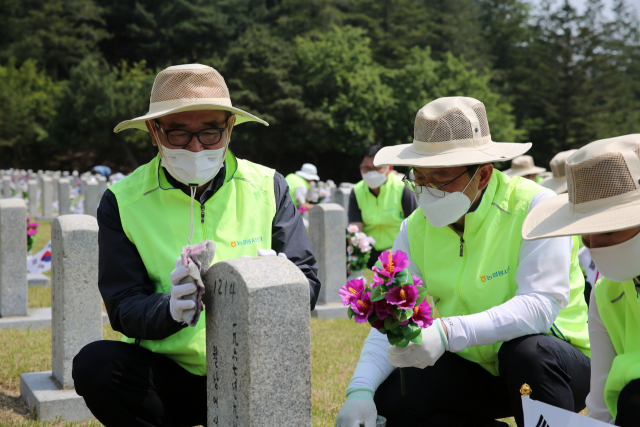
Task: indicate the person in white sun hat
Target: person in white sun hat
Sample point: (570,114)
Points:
(299,184)
(513,311)
(557,182)
(603,206)
(157,375)
(525,167)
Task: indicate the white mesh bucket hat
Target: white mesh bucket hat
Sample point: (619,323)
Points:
(451,131)
(187,88)
(308,171)
(523,166)
(558,179)
(603,183)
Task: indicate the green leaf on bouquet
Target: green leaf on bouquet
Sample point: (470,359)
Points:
(378,293)
(397,332)
(367,288)
(417,340)
(391,323)
(422,294)
(402,315)
(372,318)
(403,343)
(402,278)
(394,340)
(383,331)
(411,331)
(350,312)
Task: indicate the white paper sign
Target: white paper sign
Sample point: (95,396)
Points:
(538,414)
(40,262)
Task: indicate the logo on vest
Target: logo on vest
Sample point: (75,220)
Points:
(494,275)
(246,242)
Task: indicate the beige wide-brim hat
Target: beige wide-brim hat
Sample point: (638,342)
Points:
(188,87)
(452,131)
(603,183)
(558,179)
(523,166)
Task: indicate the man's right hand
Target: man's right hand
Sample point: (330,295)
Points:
(177,305)
(359,409)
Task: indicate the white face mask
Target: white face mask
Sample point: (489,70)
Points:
(193,168)
(374,179)
(618,263)
(442,211)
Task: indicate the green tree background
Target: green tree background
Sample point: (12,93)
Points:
(330,76)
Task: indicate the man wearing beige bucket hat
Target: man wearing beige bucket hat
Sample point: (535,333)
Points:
(157,375)
(603,205)
(525,167)
(513,311)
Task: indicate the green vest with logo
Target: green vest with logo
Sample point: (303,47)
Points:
(382,215)
(619,309)
(474,273)
(238,218)
(294,182)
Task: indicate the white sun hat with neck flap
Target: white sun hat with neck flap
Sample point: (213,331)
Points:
(603,182)
(452,131)
(558,180)
(188,87)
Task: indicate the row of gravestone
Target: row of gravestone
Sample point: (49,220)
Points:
(258,332)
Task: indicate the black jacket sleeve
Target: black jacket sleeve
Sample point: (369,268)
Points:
(355,214)
(133,306)
(290,236)
(409,202)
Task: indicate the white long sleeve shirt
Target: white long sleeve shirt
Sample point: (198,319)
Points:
(542,278)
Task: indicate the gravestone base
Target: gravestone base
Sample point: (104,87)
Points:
(38,280)
(36,318)
(41,217)
(332,310)
(40,392)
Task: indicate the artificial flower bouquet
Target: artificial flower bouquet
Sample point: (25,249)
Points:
(395,304)
(358,249)
(32,230)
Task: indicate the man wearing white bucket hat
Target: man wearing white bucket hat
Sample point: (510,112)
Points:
(513,311)
(603,205)
(299,183)
(525,167)
(157,375)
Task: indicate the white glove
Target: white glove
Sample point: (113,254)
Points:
(358,410)
(434,344)
(177,305)
(266,252)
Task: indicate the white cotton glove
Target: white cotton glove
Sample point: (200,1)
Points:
(177,305)
(434,344)
(266,252)
(359,409)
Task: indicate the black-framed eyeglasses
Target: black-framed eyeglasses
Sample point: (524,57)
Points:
(435,188)
(181,138)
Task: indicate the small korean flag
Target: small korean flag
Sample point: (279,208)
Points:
(538,414)
(40,262)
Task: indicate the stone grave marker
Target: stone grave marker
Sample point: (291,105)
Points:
(91,197)
(77,318)
(328,239)
(102,187)
(64,189)
(33,197)
(47,198)
(258,344)
(340,195)
(6,187)
(13,258)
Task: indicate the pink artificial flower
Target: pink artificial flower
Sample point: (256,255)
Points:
(392,263)
(362,307)
(31,232)
(302,210)
(402,296)
(417,281)
(377,280)
(422,314)
(383,308)
(351,291)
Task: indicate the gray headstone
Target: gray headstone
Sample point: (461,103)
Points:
(56,194)
(47,196)
(83,186)
(64,189)
(91,197)
(75,300)
(102,186)
(328,239)
(6,187)
(312,192)
(258,343)
(65,173)
(13,258)
(33,197)
(341,196)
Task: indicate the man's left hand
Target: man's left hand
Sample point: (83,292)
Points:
(434,344)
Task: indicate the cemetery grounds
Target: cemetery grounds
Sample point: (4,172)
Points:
(334,357)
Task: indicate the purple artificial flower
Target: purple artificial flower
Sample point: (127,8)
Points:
(422,314)
(362,307)
(403,296)
(378,324)
(351,291)
(383,308)
(377,280)
(392,263)
(417,281)
(31,232)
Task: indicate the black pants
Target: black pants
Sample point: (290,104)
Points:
(373,258)
(127,385)
(458,393)
(629,405)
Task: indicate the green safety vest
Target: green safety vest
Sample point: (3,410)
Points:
(294,182)
(474,273)
(619,309)
(237,218)
(382,215)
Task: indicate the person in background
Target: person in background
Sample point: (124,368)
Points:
(299,184)
(102,170)
(525,167)
(379,203)
(603,206)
